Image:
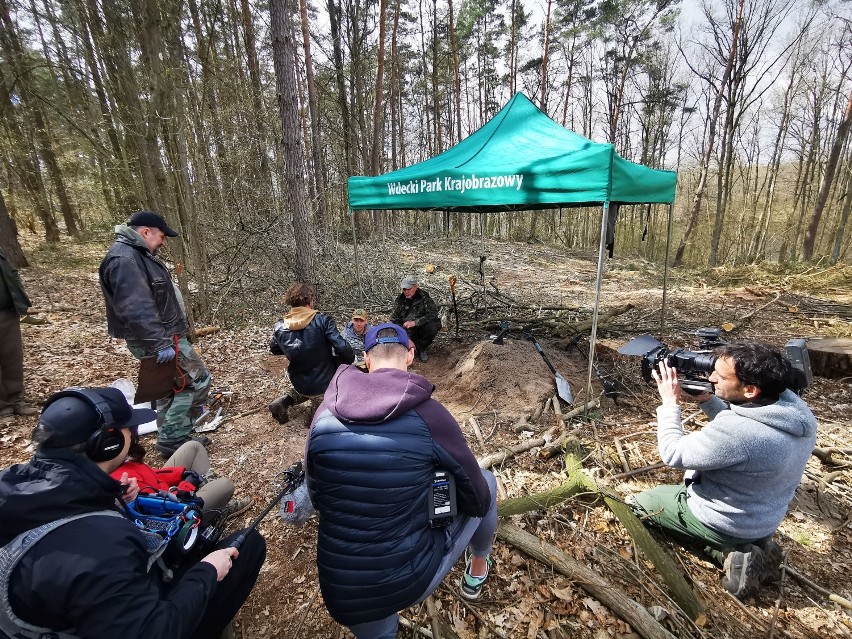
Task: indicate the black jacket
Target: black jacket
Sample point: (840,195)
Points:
(90,574)
(12,294)
(371,457)
(314,347)
(141,302)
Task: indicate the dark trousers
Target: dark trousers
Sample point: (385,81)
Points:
(423,336)
(234,589)
(11,362)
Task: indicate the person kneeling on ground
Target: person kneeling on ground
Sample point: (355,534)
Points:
(72,563)
(185,471)
(371,458)
(355,331)
(744,466)
(314,348)
(415,311)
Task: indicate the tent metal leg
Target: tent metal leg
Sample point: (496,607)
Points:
(594,335)
(666,271)
(357,263)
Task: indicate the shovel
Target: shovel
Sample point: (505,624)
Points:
(563,388)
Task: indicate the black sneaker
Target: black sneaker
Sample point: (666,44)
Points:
(424,356)
(279,409)
(743,572)
(773,556)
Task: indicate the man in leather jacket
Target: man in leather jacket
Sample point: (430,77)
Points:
(144,307)
(314,348)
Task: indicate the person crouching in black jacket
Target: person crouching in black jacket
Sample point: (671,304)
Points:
(314,348)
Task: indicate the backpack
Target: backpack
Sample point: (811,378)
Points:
(10,555)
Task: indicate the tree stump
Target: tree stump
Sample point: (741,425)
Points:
(831,357)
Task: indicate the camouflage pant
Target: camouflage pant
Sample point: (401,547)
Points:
(177,413)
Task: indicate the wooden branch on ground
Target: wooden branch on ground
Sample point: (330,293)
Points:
(840,601)
(732,327)
(522,424)
(566,441)
(678,589)
(638,471)
(613,598)
(207,330)
(579,410)
(499,457)
(476,431)
(825,457)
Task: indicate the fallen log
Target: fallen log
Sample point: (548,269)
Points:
(613,598)
(540,501)
(499,457)
(207,330)
(676,585)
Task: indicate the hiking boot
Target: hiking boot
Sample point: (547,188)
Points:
(25,411)
(279,409)
(423,356)
(471,587)
(169,448)
(743,572)
(773,557)
(235,507)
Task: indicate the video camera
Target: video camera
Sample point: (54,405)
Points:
(694,367)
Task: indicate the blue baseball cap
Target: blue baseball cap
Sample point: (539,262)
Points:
(371,340)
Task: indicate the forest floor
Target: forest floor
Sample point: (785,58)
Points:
(496,385)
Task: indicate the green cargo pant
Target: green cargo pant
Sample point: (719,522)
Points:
(176,414)
(666,508)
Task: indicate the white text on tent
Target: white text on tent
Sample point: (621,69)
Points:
(464,183)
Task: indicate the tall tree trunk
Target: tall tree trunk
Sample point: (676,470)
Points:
(256,92)
(34,115)
(284,58)
(456,80)
(544,56)
(339,76)
(320,210)
(844,218)
(378,121)
(711,137)
(828,178)
(436,99)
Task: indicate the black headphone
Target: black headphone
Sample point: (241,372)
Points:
(107,441)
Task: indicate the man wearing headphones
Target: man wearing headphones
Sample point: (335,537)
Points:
(75,565)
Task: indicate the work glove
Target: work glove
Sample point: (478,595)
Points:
(166,355)
(192,477)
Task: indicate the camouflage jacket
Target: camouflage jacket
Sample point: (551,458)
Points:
(420,309)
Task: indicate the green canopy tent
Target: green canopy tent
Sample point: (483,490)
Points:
(521,160)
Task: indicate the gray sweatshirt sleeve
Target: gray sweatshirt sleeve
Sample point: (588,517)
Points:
(706,449)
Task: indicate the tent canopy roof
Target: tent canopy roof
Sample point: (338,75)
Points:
(520,159)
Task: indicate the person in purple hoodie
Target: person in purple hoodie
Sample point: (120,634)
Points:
(376,447)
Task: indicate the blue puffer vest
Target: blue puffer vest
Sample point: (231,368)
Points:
(376,553)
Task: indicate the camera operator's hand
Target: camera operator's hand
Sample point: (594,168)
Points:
(667,383)
(222,560)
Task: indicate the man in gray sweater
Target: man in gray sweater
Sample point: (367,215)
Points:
(742,469)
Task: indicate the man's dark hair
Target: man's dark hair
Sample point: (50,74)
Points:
(391,349)
(759,365)
(298,294)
